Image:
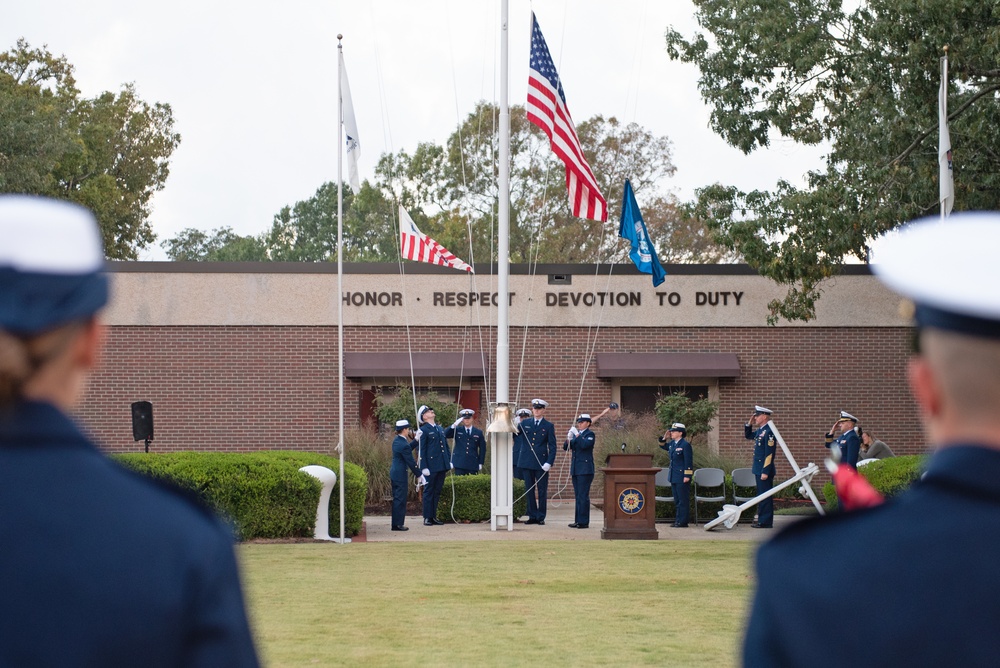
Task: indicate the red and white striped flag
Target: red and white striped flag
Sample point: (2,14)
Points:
(415,245)
(547,109)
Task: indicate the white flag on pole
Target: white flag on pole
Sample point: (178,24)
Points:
(946,177)
(350,128)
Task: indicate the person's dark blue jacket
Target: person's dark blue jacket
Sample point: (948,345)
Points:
(539,445)
(402,459)
(468,451)
(102,567)
(435,455)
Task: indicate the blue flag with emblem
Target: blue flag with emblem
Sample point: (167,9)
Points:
(633,228)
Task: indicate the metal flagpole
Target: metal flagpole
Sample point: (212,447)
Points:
(340,278)
(501,429)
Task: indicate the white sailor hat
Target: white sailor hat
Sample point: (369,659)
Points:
(51,261)
(584,417)
(539,403)
(957,291)
(760,410)
(844,415)
(677,426)
(466,412)
(402,424)
(523,411)
(420,412)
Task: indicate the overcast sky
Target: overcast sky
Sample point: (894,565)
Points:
(253,86)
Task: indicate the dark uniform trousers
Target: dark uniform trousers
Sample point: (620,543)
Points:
(539,448)
(435,457)
(402,461)
(582,471)
(764,447)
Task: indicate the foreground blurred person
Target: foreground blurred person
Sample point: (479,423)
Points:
(100,567)
(934,579)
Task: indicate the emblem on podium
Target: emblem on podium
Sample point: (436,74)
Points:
(631,501)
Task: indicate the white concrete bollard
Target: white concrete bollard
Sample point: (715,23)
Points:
(329,479)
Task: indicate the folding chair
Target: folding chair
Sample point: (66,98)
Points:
(663,480)
(708,478)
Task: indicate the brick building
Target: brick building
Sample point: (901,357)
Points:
(240,357)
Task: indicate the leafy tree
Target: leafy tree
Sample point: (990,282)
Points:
(109,153)
(400,406)
(451,193)
(695,415)
(863,81)
(221,245)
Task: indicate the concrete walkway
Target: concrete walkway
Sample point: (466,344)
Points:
(378,529)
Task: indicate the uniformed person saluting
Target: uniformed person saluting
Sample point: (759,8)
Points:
(100,566)
(538,453)
(934,575)
(764,448)
(580,439)
(468,452)
(435,461)
(681,470)
(848,441)
(402,461)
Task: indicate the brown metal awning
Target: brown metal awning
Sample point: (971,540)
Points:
(668,365)
(392,365)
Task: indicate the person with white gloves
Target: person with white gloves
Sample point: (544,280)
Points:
(402,461)
(468,452)
(519,440)
(435,461)
(538,453)
(581,440)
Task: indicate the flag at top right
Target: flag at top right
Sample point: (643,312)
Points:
(633,228)
(547,109)
(946,175)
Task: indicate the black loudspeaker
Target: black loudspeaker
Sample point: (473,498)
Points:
(142,421)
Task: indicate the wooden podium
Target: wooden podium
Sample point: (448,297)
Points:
(629,497)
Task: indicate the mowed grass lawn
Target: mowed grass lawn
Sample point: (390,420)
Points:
(566,603)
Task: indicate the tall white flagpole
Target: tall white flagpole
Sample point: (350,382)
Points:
(502,466)
(340,278)
(946,176)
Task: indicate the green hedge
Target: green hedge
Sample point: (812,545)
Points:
(472,498)
(889,476)
(262,494)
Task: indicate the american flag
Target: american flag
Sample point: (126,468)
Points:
(415,245)
(547,109)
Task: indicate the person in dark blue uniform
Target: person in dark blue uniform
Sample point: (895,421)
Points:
(101,567)
(848,441)
(402,461)
(519,440)
(764,448)
(934,580)
(435,462)
(468,452)
(538,453)
(580,439)
(681,470)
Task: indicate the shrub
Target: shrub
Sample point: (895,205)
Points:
(889,476)
(355,488)
(373,453)
(403,405)
(472,498)
(260,494)
(696,416)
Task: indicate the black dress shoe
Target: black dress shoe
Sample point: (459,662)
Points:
(674,525)
(531,520)
(540,522)
(762,526)
(428,523)
(436,522)
(582,526)
(574,525)
(400,528)
(754,525)
(681,526)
